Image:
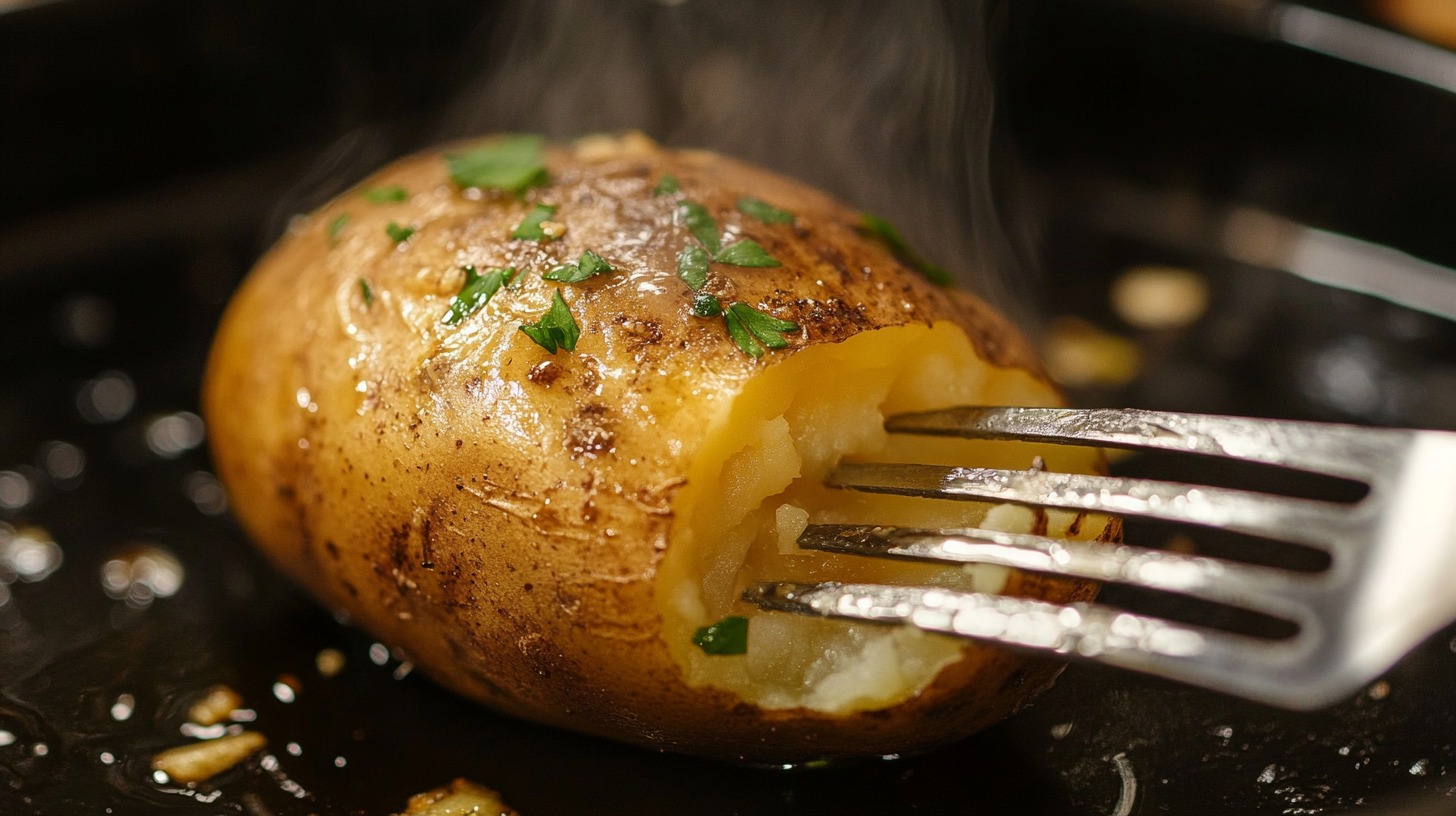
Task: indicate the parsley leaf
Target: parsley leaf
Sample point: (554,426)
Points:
(763,211)
(745,253)
(752,329)
(366,292)
(706,306)
(696,218)
(477,291)
(886,232)
(728,636)
(397,233)
(586,266)
(556,329)
(513,164)
(386,195)
(530,226)
(667,185)
(336,228)
(692,267)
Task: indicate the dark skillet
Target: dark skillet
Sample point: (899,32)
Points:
(145,148)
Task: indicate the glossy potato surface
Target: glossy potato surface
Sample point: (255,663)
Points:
(537,531)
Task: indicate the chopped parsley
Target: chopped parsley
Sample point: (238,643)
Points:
(336,227)
(886,232)
(667,185)
(556,329)
(728,636)
(530,226)
(366,292)
(745,253)
(477,291)
(386,195)
(763,211)
(588,265)
(397,233)
(752,330)
(692,267)
(705,305)
(512,163)
(696,218)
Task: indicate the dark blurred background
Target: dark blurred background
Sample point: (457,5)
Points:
(1109,172)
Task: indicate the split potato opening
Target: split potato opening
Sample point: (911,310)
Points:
(757,481)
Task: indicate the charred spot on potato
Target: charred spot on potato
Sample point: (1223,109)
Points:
(590,431)
(544,373)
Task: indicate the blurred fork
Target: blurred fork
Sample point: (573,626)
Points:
(1390,584)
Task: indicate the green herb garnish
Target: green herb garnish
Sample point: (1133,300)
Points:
(706,306)
(386,195)
(397,233)
(512,164)
(477,291)
(763,211)
(667,185)
(556,329)
(886,232)
(745,253)
(695,216)
(586,266)
(728,636)
(336,228)
(366,293)
(752,329)
(530,226)
(692,267)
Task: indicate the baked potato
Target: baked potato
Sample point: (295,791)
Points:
(537,415)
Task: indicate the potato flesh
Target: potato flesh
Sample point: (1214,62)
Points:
(761,469)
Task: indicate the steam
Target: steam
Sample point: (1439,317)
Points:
(889,106)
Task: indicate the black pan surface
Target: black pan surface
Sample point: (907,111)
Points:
(145,173)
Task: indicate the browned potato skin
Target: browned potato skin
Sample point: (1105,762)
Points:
(498,512)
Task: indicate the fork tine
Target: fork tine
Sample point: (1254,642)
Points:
(1251,667)
(1263,589)
(1318,524)
(1340,450)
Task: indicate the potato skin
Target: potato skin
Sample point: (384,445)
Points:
(499,512)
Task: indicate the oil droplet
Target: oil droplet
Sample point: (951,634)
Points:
(141,574)
(28,553)
(329,662)
(173,435)
(122,709)
(1379,691)
(62,461)
(340,762)
(6,738)
(294,749)
(284,692)
(106,398)
(15,490)
(204,491)
(378,654)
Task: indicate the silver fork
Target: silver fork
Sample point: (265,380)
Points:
(1390,584)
